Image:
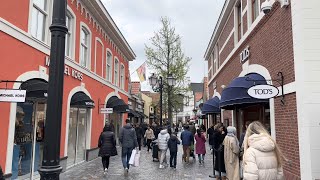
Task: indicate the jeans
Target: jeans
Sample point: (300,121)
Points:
(139,143)
(163,156)
(201,157)
(173,159)
(105,162)
(125,155)
(149,143)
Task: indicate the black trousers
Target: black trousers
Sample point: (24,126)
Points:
(149,144)
(139,143)
(173,159)
(105,162)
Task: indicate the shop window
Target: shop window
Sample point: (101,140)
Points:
(39,19)
(122,77)
(255,9)
(116,72)
(84,49)
(69,38)
(109,66)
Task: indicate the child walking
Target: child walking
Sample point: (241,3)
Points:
(173,147)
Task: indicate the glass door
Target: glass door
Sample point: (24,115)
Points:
(77,136)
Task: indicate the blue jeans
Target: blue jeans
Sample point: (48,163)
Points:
(125,155)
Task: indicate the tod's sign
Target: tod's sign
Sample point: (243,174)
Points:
(263,91)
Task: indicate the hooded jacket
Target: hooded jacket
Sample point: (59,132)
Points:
(128,137)
(163,139)
(173,143)
(260,160)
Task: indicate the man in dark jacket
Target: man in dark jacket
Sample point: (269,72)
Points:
(128,140)
(187,139)
(210,132)
(139,133)
(173,147)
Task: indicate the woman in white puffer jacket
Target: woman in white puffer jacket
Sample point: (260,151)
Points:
(262,157)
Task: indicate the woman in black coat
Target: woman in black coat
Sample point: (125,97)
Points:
(218,138)
(107,145)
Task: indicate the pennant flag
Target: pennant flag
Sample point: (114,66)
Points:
(142,72)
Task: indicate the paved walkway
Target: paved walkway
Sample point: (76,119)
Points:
(148,170)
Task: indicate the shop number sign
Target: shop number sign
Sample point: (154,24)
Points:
(263,91)
(12,95)
(106,110)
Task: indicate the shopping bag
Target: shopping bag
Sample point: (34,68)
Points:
(133,154)
(137,159)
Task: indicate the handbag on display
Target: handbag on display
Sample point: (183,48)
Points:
(133,154)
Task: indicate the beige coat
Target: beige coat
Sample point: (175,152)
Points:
(149,134)
(260,161)
(231,158)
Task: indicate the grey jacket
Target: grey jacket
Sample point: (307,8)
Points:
(128,137)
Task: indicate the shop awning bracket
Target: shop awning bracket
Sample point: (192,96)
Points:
(280,81)
(8,81)
(103,105)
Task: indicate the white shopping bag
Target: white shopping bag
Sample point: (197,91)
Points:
(133,154)
(137,159)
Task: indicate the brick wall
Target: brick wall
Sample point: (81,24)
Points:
(287,134)
(245,22)
(226,31)
(227,49)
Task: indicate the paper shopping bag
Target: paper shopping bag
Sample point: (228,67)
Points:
(137,159)
(133,154)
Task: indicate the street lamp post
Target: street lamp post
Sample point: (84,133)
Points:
(51,168)
(171,82)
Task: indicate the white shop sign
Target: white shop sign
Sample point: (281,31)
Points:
(244,55)
(106,110)
(12,95)
(263,91)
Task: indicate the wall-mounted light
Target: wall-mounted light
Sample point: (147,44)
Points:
(223,86)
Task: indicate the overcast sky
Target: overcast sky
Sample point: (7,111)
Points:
(194,21)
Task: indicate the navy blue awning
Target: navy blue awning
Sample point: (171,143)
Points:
(117,104)
(211,106)
(236,93)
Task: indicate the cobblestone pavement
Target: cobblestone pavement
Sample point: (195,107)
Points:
(148,170)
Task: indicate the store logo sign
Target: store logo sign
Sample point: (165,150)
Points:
(244,55)
(263,91)
(12,95)
(89,103)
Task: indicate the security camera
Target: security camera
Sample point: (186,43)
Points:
(266,6)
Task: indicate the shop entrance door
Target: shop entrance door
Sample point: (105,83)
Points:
(28,140)
(77,136)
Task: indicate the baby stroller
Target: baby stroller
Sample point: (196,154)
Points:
(155,151)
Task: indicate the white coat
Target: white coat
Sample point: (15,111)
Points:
(260,160)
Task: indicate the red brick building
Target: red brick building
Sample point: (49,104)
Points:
(96,76)
(248,48)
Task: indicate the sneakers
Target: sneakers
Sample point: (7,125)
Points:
(105,170)
(126,171)
(161,166)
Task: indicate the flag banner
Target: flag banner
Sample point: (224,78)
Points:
(142,72)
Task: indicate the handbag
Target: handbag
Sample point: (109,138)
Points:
(137,159)
(133,154)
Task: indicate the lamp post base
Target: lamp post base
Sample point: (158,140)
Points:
(50,172)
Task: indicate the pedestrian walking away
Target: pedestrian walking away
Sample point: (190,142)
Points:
(139,133)
(218,138)
(128,140)
(262,156)
(173,148)
(187,139)
(200,145)
(162,141)
(231,154)
(149,135)
(107,146)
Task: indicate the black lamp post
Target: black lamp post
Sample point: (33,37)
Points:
(157,85)
(51,168)
(171,82)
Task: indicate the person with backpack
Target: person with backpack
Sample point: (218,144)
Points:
(107,145)
(173,148)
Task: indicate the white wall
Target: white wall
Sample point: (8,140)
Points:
(306,44)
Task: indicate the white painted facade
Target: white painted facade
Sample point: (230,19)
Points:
(306,45)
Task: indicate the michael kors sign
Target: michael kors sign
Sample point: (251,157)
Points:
(244,55)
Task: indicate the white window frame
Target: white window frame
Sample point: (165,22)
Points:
(84,26)
(122,76)
(116,76)
(47,14)
(236,22)
(109,73)
(72,33)
(98,40)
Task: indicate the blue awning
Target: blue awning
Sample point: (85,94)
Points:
(211,106)
(236,93)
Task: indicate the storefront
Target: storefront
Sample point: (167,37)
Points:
(80,110)
(29,130)
(211,109)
